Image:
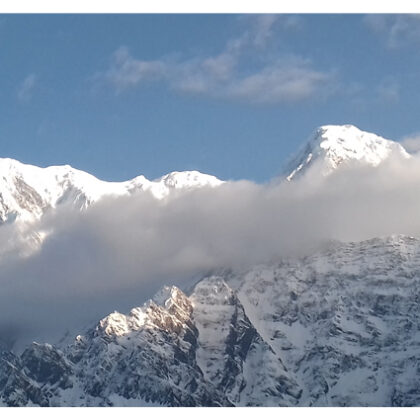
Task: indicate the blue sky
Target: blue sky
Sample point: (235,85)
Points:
(230,95)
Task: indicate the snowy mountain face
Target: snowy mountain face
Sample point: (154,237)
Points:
(331,146)
(345,321)
(163,353)
(339,327)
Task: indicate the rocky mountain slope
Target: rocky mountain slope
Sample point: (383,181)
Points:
(344,321)
(338,328)
(175,350)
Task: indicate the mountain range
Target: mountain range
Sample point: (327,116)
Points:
(338,327)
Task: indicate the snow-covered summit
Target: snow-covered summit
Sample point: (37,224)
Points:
(331,145)
(187,179)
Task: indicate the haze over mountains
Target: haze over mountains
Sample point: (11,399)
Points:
(302,291)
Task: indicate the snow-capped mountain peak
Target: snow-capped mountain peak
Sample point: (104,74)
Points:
(27,191)
(331,145)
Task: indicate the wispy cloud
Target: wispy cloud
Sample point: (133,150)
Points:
(282,81)
(241,71)
(126,71)
(25,89)
(397,30)
(264,28)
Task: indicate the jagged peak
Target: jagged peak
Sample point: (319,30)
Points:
(169,301)
(115,324)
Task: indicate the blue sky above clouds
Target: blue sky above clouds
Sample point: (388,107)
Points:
(230,95)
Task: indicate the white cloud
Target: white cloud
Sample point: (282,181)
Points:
(281,82)
(126,71)
(25,89)
(242,71)
(411,143)
(286,79)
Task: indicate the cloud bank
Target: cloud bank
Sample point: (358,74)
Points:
(121,251)
(411,143)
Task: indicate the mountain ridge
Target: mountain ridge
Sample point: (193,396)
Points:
(28,191)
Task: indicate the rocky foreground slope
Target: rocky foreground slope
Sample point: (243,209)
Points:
(339,328)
